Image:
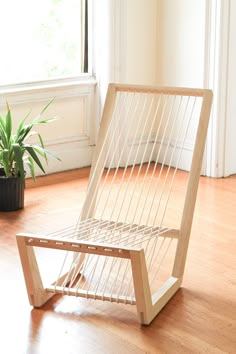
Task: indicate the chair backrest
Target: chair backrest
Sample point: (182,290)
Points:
(147,136)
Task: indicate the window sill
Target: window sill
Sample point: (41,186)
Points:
(46,89)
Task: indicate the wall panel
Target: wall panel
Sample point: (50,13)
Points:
(72,137)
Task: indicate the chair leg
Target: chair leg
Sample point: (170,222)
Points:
(148,306)
(36,292)
(141,287)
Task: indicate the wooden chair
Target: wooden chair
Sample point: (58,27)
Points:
(130,243)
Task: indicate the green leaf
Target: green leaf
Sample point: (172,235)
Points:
(31,134)
(42,145)
(42,151)
(21,126)
(30,163)
(48,120)
(36,119)
(33,154)
(23,134)
(8,125)
(19,161)
(3,135)
(5,162)
(2,122)
(47,105)
(41,141)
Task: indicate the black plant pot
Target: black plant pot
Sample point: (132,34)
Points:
(11,193)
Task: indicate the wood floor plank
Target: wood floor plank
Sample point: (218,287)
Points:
(201,317)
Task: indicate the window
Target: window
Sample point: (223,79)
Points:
(43,40)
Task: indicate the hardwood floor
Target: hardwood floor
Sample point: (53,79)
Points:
(201,318)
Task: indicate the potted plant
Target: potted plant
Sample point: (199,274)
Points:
(16,154)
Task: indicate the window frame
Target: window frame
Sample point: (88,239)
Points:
(87,77)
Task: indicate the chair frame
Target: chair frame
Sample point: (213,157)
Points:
(148,305)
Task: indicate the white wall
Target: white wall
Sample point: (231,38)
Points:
(230,133)
(186,43)
(140,36)
(153,42)
(221,75)
(126,42)
(183,39)
(101,46)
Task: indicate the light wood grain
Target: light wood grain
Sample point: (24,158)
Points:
(148,306)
